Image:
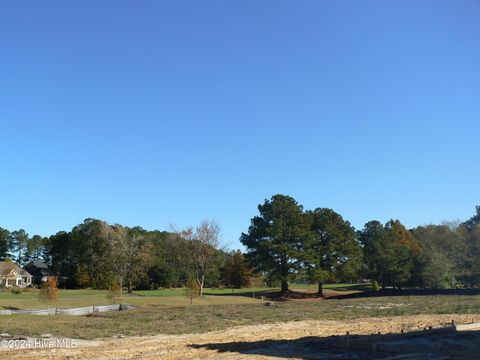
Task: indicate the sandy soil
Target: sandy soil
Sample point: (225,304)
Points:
(269,341)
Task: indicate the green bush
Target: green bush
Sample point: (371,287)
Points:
(16,291)
(375,286)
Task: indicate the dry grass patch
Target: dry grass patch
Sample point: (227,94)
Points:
(160,319)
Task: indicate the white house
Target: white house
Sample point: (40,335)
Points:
(13,275)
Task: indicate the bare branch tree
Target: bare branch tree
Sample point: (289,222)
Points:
(115,235)
(129,253)
(200,247)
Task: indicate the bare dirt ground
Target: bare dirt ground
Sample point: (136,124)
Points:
(296,340)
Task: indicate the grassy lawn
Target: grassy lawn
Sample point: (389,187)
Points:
(76,298)
(259,290)
(167,311)
(147,298)
(166,297)
(155,319)
(82,298)
(207,291)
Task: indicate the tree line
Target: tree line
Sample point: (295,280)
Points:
(288,243)
(96,254)
(284,243)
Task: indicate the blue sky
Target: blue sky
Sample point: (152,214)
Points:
(154,113)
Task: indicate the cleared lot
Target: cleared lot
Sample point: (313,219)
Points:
(299,340)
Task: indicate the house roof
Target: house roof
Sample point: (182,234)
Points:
(37,264)
(7,267)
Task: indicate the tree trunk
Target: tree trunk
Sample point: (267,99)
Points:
(284,286)
(320,289)
(202,282)
(129,286)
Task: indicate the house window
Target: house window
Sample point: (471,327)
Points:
(11,282)
(19,282)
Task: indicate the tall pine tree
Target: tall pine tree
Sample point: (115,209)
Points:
(331,251)
(276,237)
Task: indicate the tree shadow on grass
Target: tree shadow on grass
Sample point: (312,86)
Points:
(274,295)
(295,293)
(406,292)
(352,287)
(267,294)
(434,344)
(344,292)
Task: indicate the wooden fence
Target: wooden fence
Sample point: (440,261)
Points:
(71,312)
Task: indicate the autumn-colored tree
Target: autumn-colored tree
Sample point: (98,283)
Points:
(49,290)
(82,277)
(389,252)
(235,273)
(192,289)
(114,292)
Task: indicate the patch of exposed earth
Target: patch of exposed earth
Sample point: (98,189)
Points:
(296,340)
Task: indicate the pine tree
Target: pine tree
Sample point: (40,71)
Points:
(331,251)
(276,238)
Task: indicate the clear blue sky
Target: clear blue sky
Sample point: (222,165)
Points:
(153,113)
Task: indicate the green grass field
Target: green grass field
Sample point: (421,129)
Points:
(180,292)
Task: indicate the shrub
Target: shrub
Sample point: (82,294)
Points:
(49,290)
(114,292)
(16,291)
(192,290)
(375,286)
